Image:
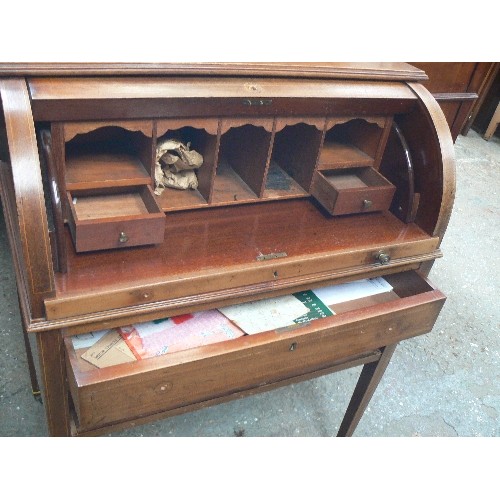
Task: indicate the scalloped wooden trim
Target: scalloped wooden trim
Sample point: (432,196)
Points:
(228,123)
(285,121)
(72,129)
(338,120)
(210,125)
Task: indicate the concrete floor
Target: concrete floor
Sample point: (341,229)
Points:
(446,383)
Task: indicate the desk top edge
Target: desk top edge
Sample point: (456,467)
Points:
(329,70)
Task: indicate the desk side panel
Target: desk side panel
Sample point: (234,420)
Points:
(28,219)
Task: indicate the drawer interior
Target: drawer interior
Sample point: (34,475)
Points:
(352,190)
(355,178)
(403,285)
(133,202)
(353,142)
(108,205)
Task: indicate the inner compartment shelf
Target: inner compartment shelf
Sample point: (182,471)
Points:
(353,142)
(244,161)
(338,155)
(109,156)
(202,138)
(229,187)
(280,185)
(97,170)
(243,158)
(295,152)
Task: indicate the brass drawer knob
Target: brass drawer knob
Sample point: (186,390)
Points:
(367,204)
(123,238)
(383,258)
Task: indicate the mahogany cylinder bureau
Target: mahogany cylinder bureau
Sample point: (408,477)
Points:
(313,174)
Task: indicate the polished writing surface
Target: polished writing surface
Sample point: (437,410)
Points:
(204,241)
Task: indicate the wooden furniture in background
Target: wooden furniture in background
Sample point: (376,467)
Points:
(492,126)
(459,88)
(313,174)
(486,118)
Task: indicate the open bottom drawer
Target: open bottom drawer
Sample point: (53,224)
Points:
(138,389)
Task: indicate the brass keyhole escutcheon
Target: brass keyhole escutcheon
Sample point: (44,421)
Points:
(123,238)
(293,346)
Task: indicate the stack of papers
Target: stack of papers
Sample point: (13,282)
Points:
(154,338)
(281,312)
(336,294)
(266,314)
(165,336)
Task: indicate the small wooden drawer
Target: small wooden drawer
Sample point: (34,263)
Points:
(138,389)
(115,219)
(353,190)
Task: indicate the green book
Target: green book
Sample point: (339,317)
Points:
(317,309)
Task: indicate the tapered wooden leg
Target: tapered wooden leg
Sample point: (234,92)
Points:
(31,366)
(363,392)
(54,389)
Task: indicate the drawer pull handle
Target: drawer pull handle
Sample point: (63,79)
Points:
(383,258)
(367,204)
(293,346)
(123,238)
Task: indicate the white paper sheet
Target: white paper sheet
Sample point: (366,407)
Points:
(267,314)
(86,340)
(336,294)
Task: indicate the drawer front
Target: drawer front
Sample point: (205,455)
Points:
(119,234)
(364,200)
(142,388)
(141,221)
